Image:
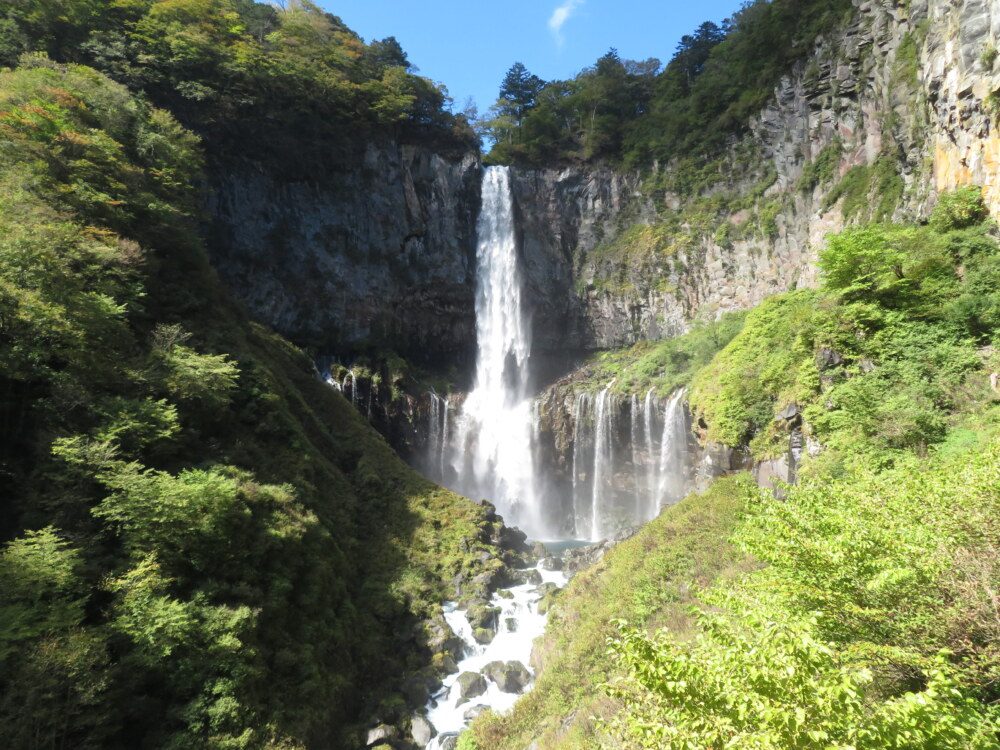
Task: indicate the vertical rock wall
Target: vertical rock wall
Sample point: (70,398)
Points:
(379,252)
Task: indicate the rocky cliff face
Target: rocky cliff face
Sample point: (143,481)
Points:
(377,253)
(886,113)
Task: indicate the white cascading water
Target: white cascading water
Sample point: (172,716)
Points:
(493,456)
(659,460)
(437,436)
(582,449)
(673,450)
(519,623)
(650,404)
(604,459)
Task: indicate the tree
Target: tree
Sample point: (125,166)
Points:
(518,92)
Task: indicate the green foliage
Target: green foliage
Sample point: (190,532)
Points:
(960,209)
(869,192)
(756,682)
(297,73)
(663,365)
(737,392)
(877,358)
(820,170)
(206,545)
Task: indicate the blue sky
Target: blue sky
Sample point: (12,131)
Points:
(469,45)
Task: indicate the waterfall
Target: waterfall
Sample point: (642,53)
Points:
(673,454)
(442,454)
(650,404)
(438,436)
(635,418)
(492,451)
(604,459)
(434,441)
(354,387)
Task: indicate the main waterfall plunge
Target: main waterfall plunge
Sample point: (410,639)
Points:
(492,455)
(489,448)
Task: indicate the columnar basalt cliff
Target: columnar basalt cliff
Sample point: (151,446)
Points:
(377,253)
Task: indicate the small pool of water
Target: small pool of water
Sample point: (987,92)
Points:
(557,546)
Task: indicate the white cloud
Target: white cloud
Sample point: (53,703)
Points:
(560,16)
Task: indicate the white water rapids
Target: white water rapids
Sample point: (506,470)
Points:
(519,623)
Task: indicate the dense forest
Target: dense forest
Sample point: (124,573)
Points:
(251,78)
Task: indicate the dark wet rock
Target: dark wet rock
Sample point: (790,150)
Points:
(512,538)
(789,413)
(827,358)
(551,563)
(470,685)
(510,676)
(416,691)
(511,623)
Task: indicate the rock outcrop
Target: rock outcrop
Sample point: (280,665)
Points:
(377,253)
(888,111)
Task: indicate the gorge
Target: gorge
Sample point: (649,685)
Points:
(294,375)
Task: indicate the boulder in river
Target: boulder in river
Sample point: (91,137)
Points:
(510,676)
(380,734)
(448,741)
(484,635)
(471,685)
(444,662)
(473,711)
(422,731)
(482,615)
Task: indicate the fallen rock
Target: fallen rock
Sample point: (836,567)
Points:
(484,635)
(422,730)
(381,733)
(444,663)
(482,615)
(448,741)
(551,563)
(470,685)
(474,711)
(510,676)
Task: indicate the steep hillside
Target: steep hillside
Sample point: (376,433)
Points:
(204,544)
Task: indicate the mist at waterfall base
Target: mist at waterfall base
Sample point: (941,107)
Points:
(488,447)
